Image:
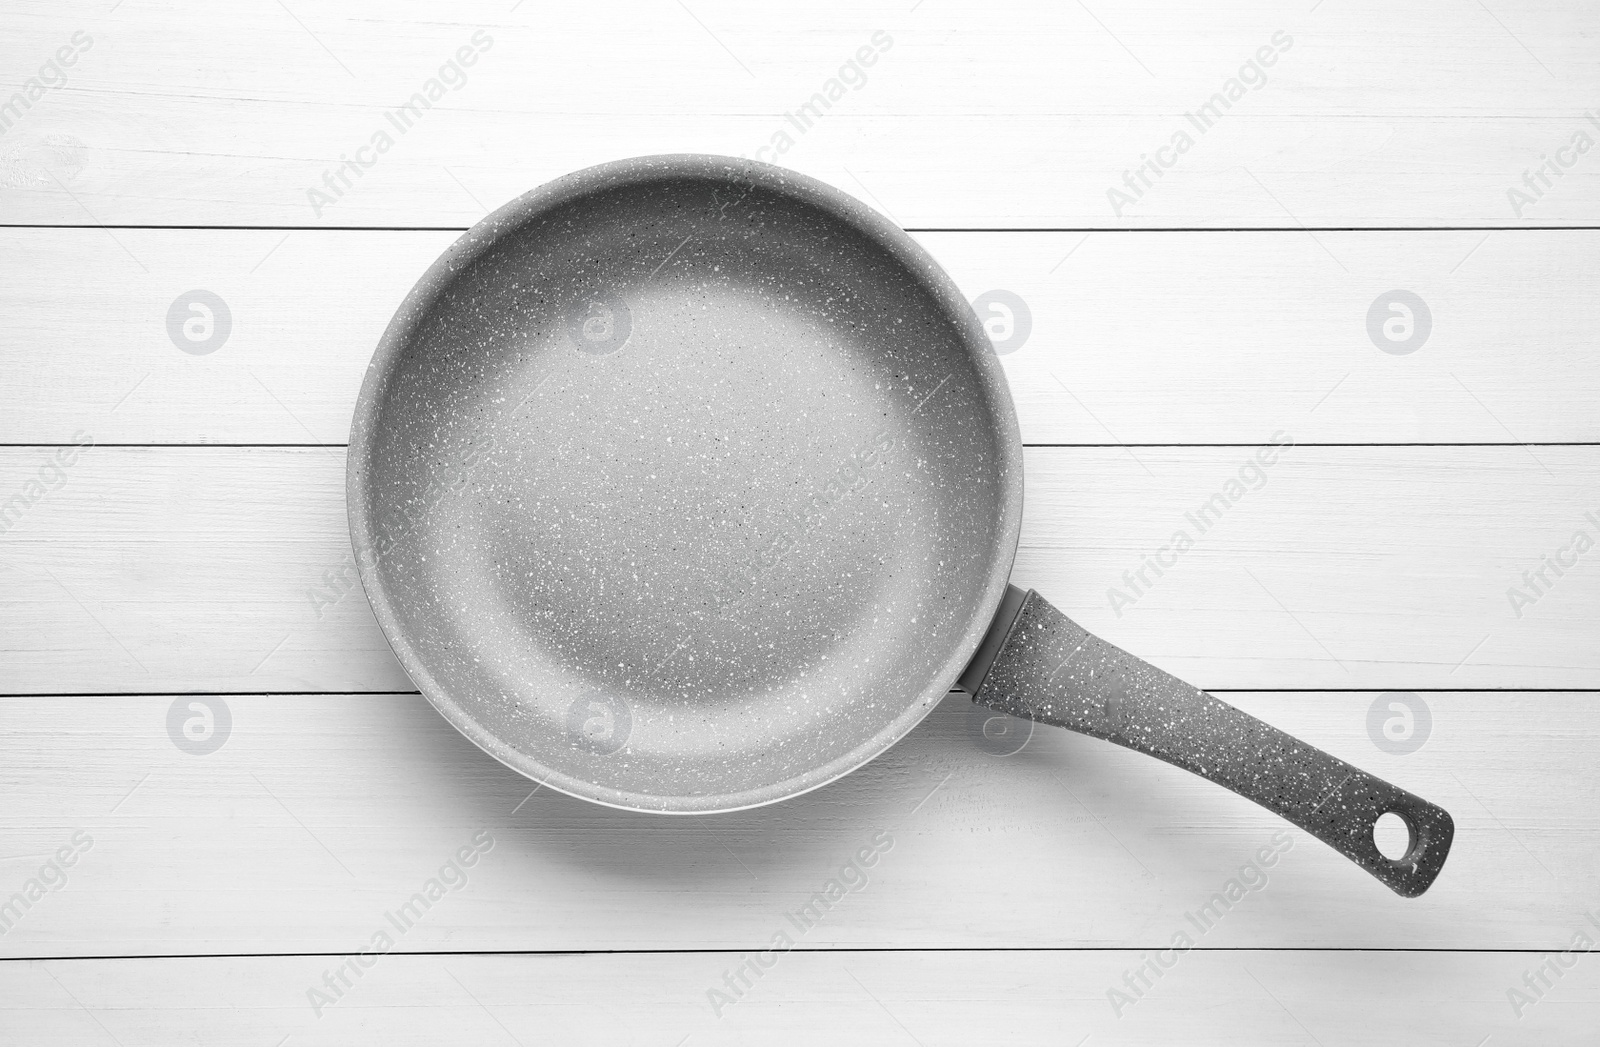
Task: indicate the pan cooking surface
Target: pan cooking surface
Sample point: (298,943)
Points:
(684,484)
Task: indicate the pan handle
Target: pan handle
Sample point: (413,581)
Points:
(1038,664)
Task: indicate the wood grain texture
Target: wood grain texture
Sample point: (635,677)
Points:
(321,814)
(1151,338)
(955,998)
(1019,889)
(228,569)
(999,115)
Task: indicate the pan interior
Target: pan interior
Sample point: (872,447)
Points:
(684,488)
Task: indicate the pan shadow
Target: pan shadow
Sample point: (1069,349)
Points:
(946,776)
(699,853)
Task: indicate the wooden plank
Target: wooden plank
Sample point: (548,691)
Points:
(166,569)
(320,814)
(1149,338)
(932,998)
(974,115)
(927,999)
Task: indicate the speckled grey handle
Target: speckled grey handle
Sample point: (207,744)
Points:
(1046,667)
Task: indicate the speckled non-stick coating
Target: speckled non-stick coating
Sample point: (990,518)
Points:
(684,483)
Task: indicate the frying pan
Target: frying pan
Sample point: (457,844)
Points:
(688,484)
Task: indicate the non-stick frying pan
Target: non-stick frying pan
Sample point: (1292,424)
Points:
(688,484)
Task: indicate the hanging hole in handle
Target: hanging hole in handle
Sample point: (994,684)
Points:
(1393,836)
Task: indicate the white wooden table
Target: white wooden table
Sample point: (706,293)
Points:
(175,557)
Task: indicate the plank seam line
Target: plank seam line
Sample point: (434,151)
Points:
(21,695)
(908,229)
(1055,446)
(797,948)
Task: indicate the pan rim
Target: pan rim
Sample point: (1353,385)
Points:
(913,259)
